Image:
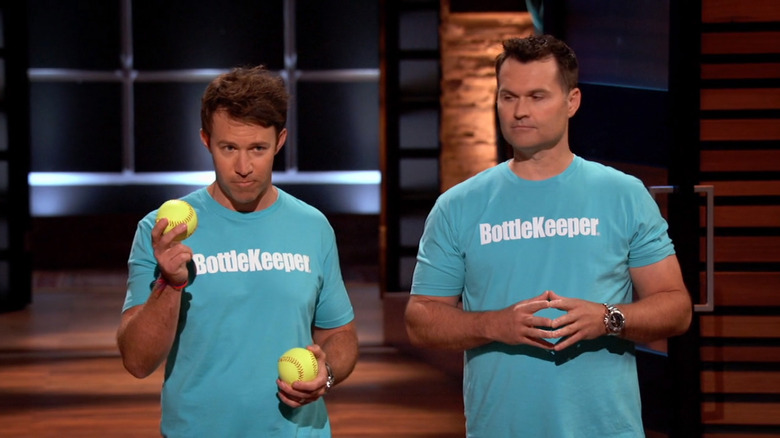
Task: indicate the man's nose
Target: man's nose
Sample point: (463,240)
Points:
(521,108)
(243,165)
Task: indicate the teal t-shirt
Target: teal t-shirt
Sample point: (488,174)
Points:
(263,280)
(497,239)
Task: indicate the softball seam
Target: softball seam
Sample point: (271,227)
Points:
(294,362)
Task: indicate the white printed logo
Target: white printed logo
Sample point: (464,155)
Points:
(537,228)
(250,261)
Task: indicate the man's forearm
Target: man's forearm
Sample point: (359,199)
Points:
(146,333)
(341,349)
(658,316)
(439,325)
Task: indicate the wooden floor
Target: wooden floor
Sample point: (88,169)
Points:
(60,373)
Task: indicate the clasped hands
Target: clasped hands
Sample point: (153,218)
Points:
(519,324)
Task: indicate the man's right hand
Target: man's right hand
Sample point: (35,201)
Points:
(519,324)
(172,256)
(439,322)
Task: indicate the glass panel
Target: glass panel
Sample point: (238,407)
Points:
(419,129)
(337,34)
(167,128)
(419,78)
(76,127)
(338,126)
(99,200)
(419,30)
(616,45)
(420,174)
(645,121)
(74,34)
(181,34)
(411,230)
(405,272)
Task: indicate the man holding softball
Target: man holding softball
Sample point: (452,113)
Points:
(259,276)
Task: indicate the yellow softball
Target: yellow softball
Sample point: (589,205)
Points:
(297,364)
(178,212)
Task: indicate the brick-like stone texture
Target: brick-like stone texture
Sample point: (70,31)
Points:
(470,43)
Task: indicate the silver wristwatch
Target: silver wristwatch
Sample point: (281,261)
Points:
(331,380)
(614,320)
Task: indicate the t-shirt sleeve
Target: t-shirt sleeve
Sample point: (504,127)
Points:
(650,242)
(334,308)
(440,268)
(141,265)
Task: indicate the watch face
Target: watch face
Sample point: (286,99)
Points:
(616,321)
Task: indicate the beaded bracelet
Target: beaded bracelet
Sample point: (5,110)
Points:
(162,282)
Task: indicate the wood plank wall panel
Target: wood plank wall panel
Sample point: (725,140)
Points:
(744,216)
(747,414)
(741,354)
(745,188)
(740,326)
(740,157)
(737,98)
(747,70)
(740,42)
(740,249)
(738,160)
(739,129)
(738,382)
(740,11)
(738,288)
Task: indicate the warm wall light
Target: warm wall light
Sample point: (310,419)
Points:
(470,43)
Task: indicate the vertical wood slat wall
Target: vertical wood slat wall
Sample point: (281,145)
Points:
(740,157)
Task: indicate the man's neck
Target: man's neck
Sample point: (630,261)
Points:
(542,164)
(264,201)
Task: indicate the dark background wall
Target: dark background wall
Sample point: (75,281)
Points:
(115,105)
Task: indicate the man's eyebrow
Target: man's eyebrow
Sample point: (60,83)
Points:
(528,93)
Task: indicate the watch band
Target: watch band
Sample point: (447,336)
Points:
(331,379)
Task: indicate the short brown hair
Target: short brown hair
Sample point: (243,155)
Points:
(540,47)
(251,94)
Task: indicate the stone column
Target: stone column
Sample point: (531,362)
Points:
(470,43)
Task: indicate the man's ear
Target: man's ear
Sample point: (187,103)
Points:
(280,140)
(575,97)
(205,139)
